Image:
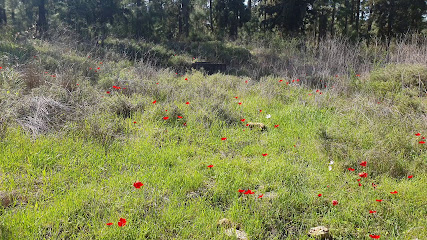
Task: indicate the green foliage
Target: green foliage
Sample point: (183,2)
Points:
(77,175)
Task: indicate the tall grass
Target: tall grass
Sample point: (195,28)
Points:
(70,151)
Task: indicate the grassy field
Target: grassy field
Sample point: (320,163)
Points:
(72,146)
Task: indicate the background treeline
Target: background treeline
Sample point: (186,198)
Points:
(206,20)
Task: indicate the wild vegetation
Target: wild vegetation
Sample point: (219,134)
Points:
(107,133)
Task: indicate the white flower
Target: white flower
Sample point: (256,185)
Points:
(268,116)
(330,168)
(332,162)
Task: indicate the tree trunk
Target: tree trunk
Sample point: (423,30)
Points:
(3,17)
(357,17)
(211,15)
(346,19)
(186,17)
(42,21)
(334,10)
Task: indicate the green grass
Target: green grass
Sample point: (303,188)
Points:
(79,175)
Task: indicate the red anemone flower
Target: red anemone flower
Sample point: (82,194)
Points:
(418,134)
(363,174)
(393,192)
(363,164)
(242,119)
(264,154)
(223,139)
(109,224)
(210,166)
(374,236)
(421,142)
(379,200)
(334,202)
(260,196)
(240,190)
(319,195)
(410,176)
(166,118)
(122,222)
(276,126)
(108,92)
(179,117)
(280,80)
(351,169)
(372,211)
(154,101)
(187,103)
(138,184)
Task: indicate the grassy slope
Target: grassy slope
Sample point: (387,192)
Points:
(80,178)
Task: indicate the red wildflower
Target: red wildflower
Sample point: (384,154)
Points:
(179,117)
(360,184)
(134,122)
(359,179)
(235,97)
(363,164)
(351,169)
(186,79)
(109,224)
(276,126)
(379,200)
(287,83)
(166,118)
(1,67)
(154,101)
(421,142)
(240,103)
(374,236)
(293,80)
(98,68)
(240,190)
(249,192)
(280,80)
(242,119)
(320,93)
(260,196)
(317,90)
(393,192)
(334,202)
(418,134)
(108,92)
(185,124)
(187,103)
(260,110)
(264,154)
(309,94)
(372,211)
(363,174)
(410,176)
(100,63)
(223,139)
(122,222)
(138,184)
(247,124)
(298,80)
(246,81)
(319,195)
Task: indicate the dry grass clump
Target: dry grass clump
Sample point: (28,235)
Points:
(40,114)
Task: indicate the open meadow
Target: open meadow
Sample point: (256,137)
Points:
(94,145)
